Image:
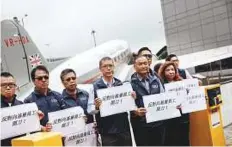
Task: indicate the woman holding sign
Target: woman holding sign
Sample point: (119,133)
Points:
(177,129)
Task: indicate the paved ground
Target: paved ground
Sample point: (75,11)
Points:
(228,135)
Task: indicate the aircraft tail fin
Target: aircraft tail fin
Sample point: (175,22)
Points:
(19,53)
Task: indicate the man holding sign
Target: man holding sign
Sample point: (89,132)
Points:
(114,129)
(74,96)
(46,99)
(144,83)
(8,98)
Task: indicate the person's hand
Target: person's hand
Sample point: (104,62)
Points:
(133,94)
(47,128)
(140,111)
(40,114)
(97,102)
(178,107)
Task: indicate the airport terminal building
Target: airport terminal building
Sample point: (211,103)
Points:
(197,25)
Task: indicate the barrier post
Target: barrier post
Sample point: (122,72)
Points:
(206,127)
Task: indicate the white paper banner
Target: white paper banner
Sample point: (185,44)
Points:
(195,101)
(18,120)
(67,121)
(116,100)
(190,83)
(163,106)
(85,137)
(174,86)
(181,85)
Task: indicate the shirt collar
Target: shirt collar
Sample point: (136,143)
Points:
(4,101)
(106,83)
(37,92)
(140,78)
(66,95)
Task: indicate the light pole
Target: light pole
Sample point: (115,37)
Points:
(94,39)
(23,18)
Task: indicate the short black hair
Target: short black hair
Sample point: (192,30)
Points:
(39,67)
(157,67)
(65,72)
(103,59)
(6,74)
(168,58)
(137,57)
(143,49)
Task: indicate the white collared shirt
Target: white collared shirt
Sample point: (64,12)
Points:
(108,84)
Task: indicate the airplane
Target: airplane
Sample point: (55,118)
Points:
(20,55)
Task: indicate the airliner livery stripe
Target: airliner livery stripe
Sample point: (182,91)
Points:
(91,80)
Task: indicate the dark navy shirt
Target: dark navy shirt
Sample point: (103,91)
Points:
(81,100)
(5,104)
(117,123)
(51,102)
(154,85)
(15,102)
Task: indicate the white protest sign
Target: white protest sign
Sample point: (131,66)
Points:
(67,121)
(180,85)
(85,137)
(195,101)
(174,86)
(190,83)
(116,100)
(91,106)
(18,120)
(163,106)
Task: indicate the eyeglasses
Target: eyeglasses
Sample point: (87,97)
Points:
(175,60)
(11,85)
(109,65)
(148,56)
(40,78)
(71,78)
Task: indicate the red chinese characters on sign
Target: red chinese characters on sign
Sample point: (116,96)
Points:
(10,42)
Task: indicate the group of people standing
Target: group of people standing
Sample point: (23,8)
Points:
(114,129)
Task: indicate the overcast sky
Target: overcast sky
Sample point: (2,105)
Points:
(63,27)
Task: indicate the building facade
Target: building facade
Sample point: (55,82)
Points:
(197,25)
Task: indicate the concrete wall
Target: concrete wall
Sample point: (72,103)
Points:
(196,25)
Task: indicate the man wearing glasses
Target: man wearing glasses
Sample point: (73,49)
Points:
(146,52)
(114,129)
(183,72)
(46,99)
(74,96)
(8,98)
